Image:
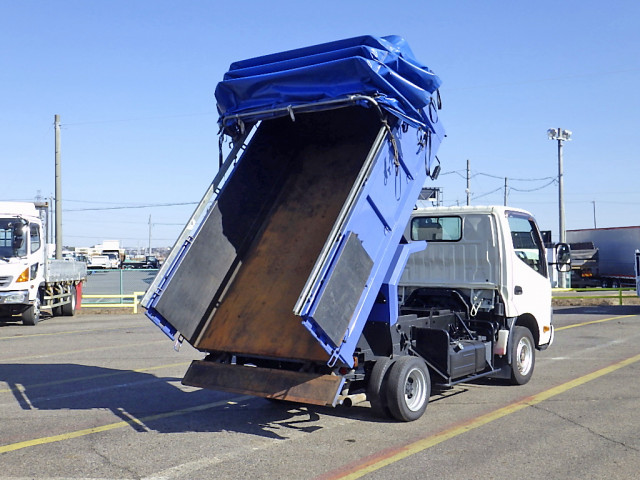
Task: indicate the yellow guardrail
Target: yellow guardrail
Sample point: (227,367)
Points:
(133,303)
(617,295)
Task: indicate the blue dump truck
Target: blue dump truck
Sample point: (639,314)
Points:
(287,275)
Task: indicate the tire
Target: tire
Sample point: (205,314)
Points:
(376,388)
(523,356)
(408,388)
(31,315)
(69,309)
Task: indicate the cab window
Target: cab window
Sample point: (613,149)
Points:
(34,233)
(436,229)
(527,241)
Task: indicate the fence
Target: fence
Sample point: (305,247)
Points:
(124,289)
(601,293)
(116,288)
(126,301)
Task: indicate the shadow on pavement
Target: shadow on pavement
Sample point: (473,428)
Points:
(150,403)
(600,310)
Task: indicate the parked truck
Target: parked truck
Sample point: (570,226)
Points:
(29,279)
(637,271)
(603,257)
(289,273)
(146,261)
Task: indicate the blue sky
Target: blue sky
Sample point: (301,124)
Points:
(133,82)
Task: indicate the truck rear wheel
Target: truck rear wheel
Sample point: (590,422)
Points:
(69,309)
(523,356)
(31,315)
(376,388)
(408,388)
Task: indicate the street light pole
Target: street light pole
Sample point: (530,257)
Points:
(560,135)
(562,229)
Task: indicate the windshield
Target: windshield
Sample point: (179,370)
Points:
(13,237)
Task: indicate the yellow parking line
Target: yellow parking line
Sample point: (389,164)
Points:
(112,426)
(395,455)
(377,462)
(602,320)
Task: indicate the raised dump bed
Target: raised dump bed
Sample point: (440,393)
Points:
(236,288)
(283,269)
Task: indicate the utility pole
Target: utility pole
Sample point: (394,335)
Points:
(58,188)
(468,190)
(594,214)
(149,251)
(505,191)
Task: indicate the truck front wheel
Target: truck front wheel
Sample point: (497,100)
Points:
(31,315)
(523,356)
(408,388)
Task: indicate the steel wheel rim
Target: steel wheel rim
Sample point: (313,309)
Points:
(524,356)
(36,307)
(415,389)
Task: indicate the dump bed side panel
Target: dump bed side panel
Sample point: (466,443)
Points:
(370,237)
(223,238)
(236,287)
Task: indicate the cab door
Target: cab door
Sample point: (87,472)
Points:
(530,288)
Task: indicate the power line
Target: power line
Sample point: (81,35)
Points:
(514,179)
(119,238)
(485,194)
(461,175)
(533,189)
(125,207)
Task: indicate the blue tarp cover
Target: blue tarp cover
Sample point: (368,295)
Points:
(380,67)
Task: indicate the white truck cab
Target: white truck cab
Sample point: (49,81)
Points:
(28,279)
(22,257)
(492,260)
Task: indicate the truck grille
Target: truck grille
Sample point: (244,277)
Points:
(5,281)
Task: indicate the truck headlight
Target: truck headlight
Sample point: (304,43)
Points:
(15,297)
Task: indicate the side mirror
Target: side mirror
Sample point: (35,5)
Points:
(436,172)
(563,256)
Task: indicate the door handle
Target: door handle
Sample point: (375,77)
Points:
(517,290)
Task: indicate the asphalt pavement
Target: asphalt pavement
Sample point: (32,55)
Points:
(99,396)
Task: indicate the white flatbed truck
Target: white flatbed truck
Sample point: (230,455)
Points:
(29,279)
